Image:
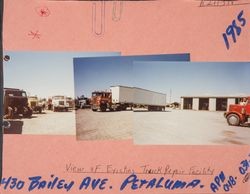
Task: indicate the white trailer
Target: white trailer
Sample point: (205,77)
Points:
(122,94)
(154,101)
(124,97)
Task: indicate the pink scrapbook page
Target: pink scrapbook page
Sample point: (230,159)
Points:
(126,97)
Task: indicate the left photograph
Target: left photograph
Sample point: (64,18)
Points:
(39,92)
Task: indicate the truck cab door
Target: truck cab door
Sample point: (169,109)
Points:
(247,108)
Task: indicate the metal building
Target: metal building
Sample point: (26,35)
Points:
(210,103)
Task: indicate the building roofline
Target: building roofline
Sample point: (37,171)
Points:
(236,96)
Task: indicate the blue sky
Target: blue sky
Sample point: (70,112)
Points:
(182,78)
(190,79)
(51,73)
(100,73)
(44,73)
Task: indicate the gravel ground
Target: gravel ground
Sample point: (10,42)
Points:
(47,123)
(173,127)
(103,125)
(187,127)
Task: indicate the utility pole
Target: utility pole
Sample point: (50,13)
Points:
(170,96)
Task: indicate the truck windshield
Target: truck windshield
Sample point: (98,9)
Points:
(58,97)
(96,94)
(102,94)
(33,98)
(106,95)
(17,93)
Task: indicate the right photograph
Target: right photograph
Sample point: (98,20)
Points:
(205,103)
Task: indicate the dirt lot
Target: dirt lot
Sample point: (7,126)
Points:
(49,122)
(103,125)
(170,127)
(187,127)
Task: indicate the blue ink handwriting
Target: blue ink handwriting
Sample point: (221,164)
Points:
(93,183)
(234,29)
(244,168)
(221,180)
(134,183)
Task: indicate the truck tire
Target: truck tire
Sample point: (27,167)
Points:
(40,110)
(103,107)
(10,114)
(150,108)
(94,109)
(123,107)
(233,119)
(118,108)
(27,113)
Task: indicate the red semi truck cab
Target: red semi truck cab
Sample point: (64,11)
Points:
(101,100)
(238,114)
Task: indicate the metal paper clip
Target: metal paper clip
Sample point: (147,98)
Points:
(6,124)
(116,16)
(99,31)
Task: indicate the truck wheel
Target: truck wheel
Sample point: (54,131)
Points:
(233,119)
(10,114)
(94,109)
(118,108)
(40,110)
(28,113)
(103,107)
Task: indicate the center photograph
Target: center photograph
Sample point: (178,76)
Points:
(106,95)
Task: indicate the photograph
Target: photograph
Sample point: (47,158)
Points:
(207,103)
(39,92)
(105,91)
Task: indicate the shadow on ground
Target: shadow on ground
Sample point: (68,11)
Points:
(150,111)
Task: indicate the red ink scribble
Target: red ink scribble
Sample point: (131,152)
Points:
(35,34)
(43,11)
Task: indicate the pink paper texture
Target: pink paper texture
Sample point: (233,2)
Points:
(26,156)
(144,28)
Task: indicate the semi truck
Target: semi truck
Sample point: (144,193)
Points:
(239,114)
(119,98)
(34,104)
(70,102)
(82,102)
(16,103)
(153,101)
(60,103)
